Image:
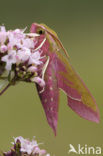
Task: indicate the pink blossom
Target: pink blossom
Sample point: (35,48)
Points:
(23,54)
(3,37)
(39,81)
(38,150)
(13,41)
(32,69)
(18,34)
(3,48)
(2,29)
(35,58)
(28,43)
(26,145)
(30,147)
(3,34)
(9,59)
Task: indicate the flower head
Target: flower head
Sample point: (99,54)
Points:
(10,59)
(25,146)
(18,54)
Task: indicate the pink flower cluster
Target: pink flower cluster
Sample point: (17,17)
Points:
(25,147)
(17,49)
(30,147)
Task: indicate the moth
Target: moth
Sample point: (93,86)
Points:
(59,74)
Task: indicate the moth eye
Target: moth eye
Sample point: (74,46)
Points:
(41,32)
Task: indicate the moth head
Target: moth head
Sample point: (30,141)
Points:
(37,28)
(43,29)
(40,31)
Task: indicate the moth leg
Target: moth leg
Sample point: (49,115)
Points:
(40,45)
(45,67)
(43,72)
(42,90)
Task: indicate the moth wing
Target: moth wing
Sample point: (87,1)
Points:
(80,99)
(50,95)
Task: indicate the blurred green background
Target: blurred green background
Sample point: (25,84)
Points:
(79,24)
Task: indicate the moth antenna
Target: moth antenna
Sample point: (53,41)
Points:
(59,42)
